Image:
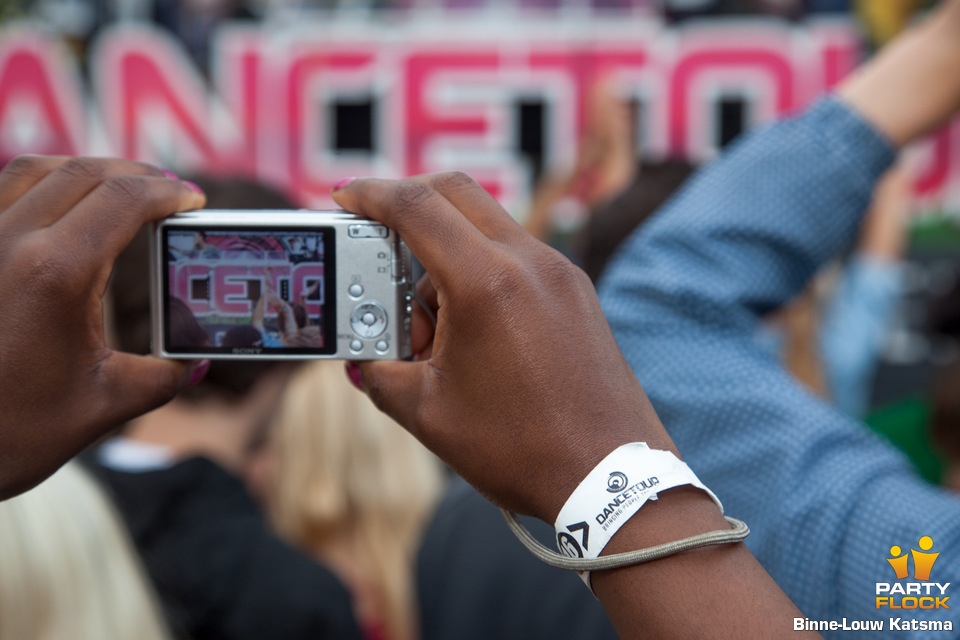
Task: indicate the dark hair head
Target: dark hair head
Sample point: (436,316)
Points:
(943,315)
(237,193)
(185,331)
(945,418)
(611,224)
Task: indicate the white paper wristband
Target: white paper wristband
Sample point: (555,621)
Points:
(613,492)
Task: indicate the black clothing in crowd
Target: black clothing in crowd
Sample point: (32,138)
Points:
(220,573)
(476,581)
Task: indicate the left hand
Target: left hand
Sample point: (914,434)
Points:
(63,221)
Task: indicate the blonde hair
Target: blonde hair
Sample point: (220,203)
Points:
(353,488)
(68,570)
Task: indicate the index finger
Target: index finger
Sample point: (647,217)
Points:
(22,173)
(103,223)
(65,185)
(476,204)
(436,231)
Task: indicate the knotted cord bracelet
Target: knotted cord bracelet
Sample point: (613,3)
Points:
(609,496)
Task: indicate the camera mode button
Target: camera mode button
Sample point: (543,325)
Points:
(355,290)
(368,320)
(367,231)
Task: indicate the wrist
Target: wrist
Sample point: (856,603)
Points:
(679,512)
(633,421)
(627,480)
(577,467)
(630,477)
(570,475)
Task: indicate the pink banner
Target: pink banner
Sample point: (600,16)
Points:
(445,97)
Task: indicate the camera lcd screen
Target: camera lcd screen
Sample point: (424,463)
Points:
(249,291)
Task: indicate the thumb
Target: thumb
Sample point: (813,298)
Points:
(394,386)
(138,384)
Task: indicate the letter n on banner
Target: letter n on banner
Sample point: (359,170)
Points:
(157,108)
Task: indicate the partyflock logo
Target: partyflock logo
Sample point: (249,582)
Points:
(911,591)
(916,593)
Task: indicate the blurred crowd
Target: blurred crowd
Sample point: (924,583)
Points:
(85,14)
(273,501)
(193,21)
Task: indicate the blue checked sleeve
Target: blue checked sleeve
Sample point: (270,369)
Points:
(826,499)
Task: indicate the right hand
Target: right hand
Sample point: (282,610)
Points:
(521,388)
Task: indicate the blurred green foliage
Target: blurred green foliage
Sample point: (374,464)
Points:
(936,232)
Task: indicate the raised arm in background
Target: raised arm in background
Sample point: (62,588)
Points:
(826,500)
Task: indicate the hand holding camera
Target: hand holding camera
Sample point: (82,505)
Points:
(521,361)
(63,221)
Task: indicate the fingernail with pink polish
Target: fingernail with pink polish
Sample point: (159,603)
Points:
(340,184)
(194,187)
(356,377)
(200,369)
(170,174)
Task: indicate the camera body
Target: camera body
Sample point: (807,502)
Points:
(279,284)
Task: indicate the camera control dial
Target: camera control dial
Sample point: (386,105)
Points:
(368,319)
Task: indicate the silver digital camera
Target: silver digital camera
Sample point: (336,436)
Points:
(279,284)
